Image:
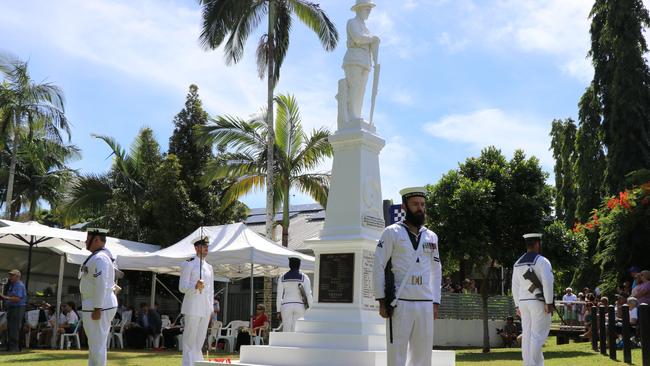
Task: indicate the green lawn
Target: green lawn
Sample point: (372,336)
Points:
(574,354)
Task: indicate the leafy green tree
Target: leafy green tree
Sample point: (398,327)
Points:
(232,21)
(117,198)
(23,102)
(41,170)
(563,135)
(296,156)
(621,82)
(590,157)
(193,158)
(481,210)
(171,212)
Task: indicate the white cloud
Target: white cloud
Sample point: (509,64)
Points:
(507,131)
(452,45)
(556,27)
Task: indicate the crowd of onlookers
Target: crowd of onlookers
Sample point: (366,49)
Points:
(468,286)
(576,309)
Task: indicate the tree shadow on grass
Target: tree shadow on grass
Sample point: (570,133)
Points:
(516,355)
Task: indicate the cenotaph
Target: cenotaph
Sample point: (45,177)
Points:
(343,328)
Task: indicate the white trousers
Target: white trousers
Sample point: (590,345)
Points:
(97,333)
(412,334)
(196,329)
(291,313)
(535,324)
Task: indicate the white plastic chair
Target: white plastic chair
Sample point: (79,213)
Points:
(65,337)
(279,328)
(119,334)
(31,320)
(215,331)
(229,333)
(258,338)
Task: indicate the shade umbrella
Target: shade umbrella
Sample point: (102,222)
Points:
(33,234)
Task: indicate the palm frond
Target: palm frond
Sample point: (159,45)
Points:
(249,16)
(234,133)
(243,186)
(316,148)
(315,18)
(315,185)
(87,193)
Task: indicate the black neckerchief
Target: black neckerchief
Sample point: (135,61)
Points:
(93,254)
(415,239)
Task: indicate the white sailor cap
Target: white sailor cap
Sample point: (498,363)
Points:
(409,192)
(533,236)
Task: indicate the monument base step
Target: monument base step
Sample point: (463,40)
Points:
(294,356)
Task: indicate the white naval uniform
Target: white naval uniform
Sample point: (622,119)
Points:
(289,299)
(197,307)
(412,319)
(535,322)
(97,276)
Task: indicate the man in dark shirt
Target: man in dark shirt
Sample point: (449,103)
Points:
(149,320)
(15,300)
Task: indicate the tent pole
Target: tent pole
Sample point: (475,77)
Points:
(153,289)
(59,294)
(252,304)
(225,304)
(29,263)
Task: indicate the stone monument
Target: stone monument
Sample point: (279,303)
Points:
(343,327)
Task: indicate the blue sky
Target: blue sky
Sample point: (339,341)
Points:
(457,75)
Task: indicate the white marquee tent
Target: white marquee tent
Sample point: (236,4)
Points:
(233,250)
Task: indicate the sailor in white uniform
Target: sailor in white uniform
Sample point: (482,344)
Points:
(410,251)
(98,300)
(532,290)
(197,283)
(294,295)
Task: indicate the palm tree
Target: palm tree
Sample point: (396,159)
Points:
(22,102)
(89,194)
(41,170)
(296,156)
(231,21)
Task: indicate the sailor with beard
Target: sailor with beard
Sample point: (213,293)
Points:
(411,252)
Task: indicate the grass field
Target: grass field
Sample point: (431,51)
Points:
(573,354)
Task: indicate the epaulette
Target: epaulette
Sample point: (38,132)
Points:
(191,259)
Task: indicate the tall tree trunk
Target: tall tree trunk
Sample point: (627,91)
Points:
(484,298)
(12,170)
(285,220)
(32,208)
(270,212)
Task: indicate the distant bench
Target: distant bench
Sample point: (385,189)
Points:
(564,333)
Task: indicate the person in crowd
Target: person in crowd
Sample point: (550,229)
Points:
(642,290)
(67,322)
(633,305)
(509,333)
(260,321)
(634,271)
(447,285)
(149,320)
(621,299)
(216,310)
(15,301)
(570,315)
(580,308)
(170,333)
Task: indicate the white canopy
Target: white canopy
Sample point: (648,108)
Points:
(68,242)
(232,250)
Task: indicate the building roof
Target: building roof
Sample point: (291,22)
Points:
(306,222)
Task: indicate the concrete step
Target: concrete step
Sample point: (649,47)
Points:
(327,340)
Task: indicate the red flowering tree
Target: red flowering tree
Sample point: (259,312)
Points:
(622,224)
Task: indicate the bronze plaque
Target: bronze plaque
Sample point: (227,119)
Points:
(336,278)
